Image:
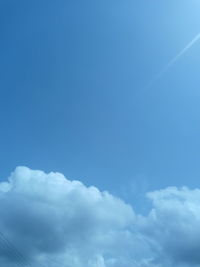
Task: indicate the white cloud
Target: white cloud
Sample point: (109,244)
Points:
(174,224)
(55,222)
(47,216)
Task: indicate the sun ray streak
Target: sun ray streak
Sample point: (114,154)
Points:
(173,61)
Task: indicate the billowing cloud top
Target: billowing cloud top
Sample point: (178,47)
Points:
(48,220)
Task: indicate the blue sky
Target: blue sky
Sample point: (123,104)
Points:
(80,114)
(72,98)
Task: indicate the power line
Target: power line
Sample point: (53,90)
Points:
(7,253)
(11,249)
(14,252)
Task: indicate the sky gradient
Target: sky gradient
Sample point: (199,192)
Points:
(77,97)
(72,100)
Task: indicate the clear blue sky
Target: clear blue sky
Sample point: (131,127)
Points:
(72,96)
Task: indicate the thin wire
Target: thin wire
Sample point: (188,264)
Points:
(22,260)
(10,253)
(13,251)
(4,248)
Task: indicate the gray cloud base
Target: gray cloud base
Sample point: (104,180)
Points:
(55,222)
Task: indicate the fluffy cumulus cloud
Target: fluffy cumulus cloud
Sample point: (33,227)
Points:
(48,220)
